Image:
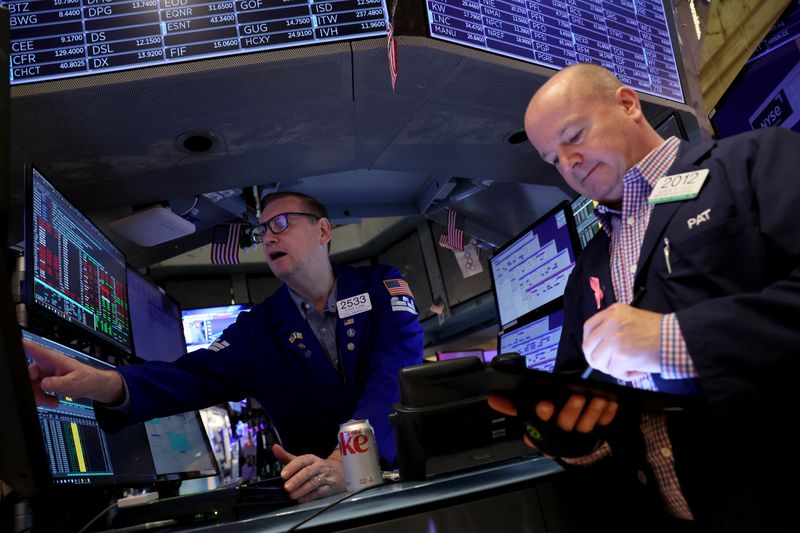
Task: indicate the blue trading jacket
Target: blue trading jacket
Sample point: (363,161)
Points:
(271,354)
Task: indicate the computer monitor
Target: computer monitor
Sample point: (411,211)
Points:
(155,321)
(180,447)
(636,41)
(532,269)
(80,453)
(585,219)
(23,462)
(77,449)
(537,341)
(73,40)
(201,327)
(444,356)
(76,275)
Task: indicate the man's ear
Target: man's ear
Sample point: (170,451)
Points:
(325,231)
(628,100)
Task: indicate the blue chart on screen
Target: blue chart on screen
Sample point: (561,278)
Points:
(537,341)
(179,445)
(629,37)
(53,39)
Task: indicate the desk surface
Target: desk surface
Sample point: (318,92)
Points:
(395,496)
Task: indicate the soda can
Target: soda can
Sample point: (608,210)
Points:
(359,455)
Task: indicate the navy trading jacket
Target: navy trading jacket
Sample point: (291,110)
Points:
(733,280)
(271,354)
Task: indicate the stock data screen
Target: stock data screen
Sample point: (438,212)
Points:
(53,39)
(77,449)
(537,341)
(585,219)
(533,269)
(629,37)
(77,273)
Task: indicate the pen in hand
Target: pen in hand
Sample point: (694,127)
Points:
(637,299)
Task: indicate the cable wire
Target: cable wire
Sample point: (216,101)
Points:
(330,505)
(96,518)
(188,211)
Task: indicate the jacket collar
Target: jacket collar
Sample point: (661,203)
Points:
(348,283)
(690,157)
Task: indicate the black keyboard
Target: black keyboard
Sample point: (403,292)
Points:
(223,504)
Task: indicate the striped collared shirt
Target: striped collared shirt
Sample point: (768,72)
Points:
(626,228)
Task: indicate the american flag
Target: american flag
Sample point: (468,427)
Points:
(225,244)
(397,287)
(455,230)
(437,307)
(391,47)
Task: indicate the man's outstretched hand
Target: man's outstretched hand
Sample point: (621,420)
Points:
(52,372)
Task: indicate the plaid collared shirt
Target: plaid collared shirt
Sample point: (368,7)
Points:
(626,229)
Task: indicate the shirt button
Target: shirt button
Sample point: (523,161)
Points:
(324,330)
(631,221)
(632,269)
(666,453)
(642,477)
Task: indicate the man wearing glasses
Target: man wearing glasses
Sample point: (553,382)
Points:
(325,348)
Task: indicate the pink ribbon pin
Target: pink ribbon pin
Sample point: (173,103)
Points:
(594,283)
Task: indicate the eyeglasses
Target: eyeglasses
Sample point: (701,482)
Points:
(277,224)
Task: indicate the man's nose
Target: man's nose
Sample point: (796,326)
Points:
(568,161)
(270,237)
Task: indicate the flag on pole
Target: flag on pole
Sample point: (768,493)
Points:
(437,307)
(455,231)
(225,244)
(391,47)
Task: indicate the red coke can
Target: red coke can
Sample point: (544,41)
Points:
(359,455)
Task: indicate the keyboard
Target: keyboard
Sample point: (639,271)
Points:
(223,504)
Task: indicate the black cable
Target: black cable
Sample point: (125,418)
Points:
(340,500)
(96,518)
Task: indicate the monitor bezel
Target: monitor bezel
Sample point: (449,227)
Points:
(129,269)
(38,310)
(574,240)
(23,463)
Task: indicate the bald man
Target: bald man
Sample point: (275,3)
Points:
(718,265)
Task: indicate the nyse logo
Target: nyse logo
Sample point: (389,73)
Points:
(774,113)
(353,443)
(699,219)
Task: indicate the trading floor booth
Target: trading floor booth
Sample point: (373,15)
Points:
(383,110)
